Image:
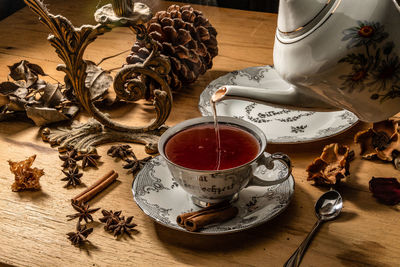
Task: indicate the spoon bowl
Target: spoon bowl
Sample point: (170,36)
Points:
(329,206)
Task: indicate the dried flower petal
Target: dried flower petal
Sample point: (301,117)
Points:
(25,176)
(365,140)
(386,190)
(380,141)
(332,166)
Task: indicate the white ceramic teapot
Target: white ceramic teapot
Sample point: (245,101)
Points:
(337,54)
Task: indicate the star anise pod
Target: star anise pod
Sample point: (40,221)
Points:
(80,235)
(123,226)
(84,213)
(88,159)
(69,158)
(120,151)
(72,176)
(134,165)
(110,218)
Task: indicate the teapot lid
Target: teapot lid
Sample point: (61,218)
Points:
(297,14)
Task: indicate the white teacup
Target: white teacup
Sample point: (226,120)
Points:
(213,186)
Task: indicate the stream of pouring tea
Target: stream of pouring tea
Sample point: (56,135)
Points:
(216,97)
(217,135)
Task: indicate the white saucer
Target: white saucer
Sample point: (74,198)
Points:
(279,125)
(161,198)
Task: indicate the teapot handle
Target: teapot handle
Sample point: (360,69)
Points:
(294,97)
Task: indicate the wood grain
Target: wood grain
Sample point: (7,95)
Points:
(33,224)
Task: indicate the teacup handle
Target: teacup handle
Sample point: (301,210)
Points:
(268,161)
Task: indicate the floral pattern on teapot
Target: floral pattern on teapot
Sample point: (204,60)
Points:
(378,68)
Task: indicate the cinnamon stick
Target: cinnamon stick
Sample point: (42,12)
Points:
(196,222)
(96,187)
(180,219)
(218,213)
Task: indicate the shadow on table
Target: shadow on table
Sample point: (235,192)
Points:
(33,196)
(357,253)
(8,128)
(88,247)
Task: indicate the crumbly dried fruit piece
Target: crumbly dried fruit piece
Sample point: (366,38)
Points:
(386,190)
(84,212)
(81,234)
(332,166)
(381,141)
(25,176)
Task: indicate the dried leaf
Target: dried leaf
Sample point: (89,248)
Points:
(70,111)
(22,71)
(43,102)
(17,99)
(7,88)
(39,86)
(97,80)
(52,95)
(44,115)
(36,69)
(14,94)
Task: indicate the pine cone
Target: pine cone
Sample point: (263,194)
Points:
(186,37)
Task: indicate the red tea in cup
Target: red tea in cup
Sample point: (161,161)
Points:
(197,147)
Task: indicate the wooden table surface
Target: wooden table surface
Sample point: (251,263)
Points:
(33,224)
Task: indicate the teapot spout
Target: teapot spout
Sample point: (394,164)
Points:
(290,98)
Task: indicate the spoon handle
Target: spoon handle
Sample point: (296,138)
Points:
(296,257)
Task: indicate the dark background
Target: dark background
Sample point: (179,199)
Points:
(254,5)
(7,7)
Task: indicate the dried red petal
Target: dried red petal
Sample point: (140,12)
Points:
(386,190)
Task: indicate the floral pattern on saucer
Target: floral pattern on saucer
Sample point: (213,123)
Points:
(161,198)
(279,125)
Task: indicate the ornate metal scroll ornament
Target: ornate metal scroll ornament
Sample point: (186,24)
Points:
(129,84)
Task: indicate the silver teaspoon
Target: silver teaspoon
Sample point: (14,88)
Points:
(327,208)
